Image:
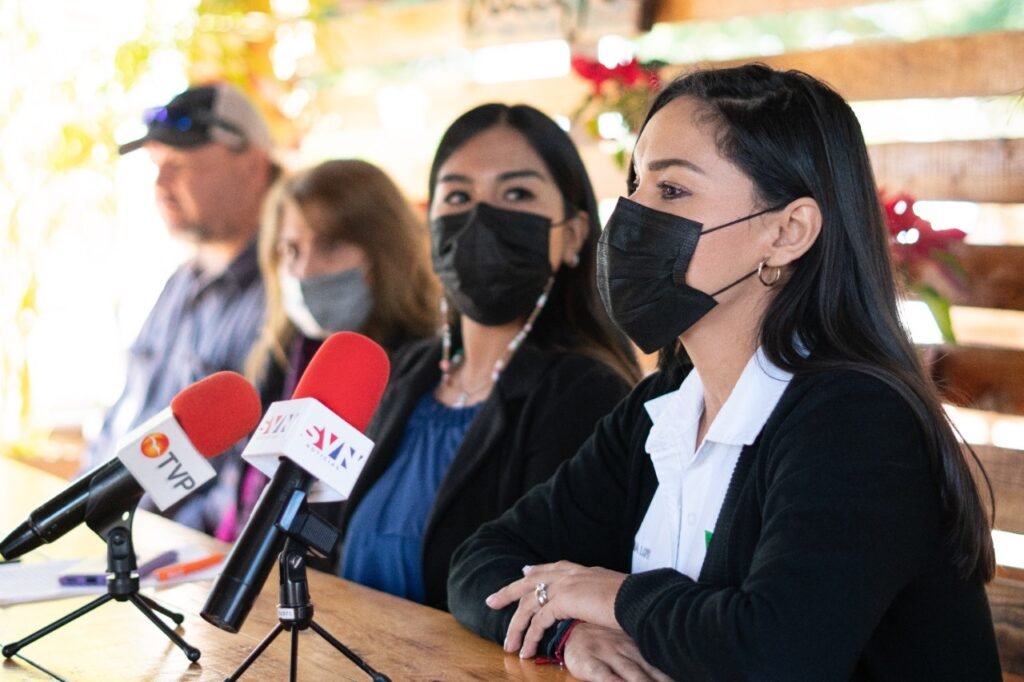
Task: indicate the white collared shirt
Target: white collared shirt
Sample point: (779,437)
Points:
(692,481)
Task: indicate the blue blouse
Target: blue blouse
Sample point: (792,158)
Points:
(384,541)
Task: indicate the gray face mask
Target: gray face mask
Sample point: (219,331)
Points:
(320,306)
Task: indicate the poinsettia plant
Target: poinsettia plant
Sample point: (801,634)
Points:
(923,256)
(625,88)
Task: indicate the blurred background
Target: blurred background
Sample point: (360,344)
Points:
(937,85)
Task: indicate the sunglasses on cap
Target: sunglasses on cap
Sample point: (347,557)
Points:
(197,123)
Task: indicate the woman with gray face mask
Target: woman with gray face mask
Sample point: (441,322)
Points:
(332,236)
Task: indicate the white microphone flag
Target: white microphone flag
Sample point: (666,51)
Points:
(317,440)
(163,460)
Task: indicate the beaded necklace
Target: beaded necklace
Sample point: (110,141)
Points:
(449,362)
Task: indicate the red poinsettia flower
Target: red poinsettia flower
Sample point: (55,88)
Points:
(918,248)
(591,70)
(913,238)
(626,74)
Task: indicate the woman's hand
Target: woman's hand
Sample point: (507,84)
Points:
(551,592)
(598,654)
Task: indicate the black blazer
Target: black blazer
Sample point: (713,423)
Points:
(545,404)
(828,560)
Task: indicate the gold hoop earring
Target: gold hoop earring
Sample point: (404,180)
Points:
(760,273)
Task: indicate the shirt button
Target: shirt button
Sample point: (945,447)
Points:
(691,519)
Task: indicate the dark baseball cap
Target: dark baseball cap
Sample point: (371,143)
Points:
(204,114)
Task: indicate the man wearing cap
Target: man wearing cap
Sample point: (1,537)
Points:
(212,153)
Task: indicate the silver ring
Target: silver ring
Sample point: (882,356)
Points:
(542,594)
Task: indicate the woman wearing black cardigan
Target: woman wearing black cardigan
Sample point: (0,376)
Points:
(527,364)
(786,499)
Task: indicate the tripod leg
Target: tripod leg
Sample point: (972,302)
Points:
(351,655)
(12,649)
(255,653)
(293,669)
(191,652)
(159,608)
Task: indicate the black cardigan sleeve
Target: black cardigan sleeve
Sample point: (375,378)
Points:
(839,513)
(581,392)
(849,516)
(575,515)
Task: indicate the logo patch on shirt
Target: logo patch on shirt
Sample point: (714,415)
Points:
(641,551)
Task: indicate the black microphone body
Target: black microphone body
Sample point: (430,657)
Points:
(97,498)
(317,435)
(255,551)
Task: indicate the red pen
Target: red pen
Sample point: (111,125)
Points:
(186,567)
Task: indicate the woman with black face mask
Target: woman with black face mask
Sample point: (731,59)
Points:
(527,363)
(785,499)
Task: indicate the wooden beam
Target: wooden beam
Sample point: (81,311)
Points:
(1006,599)
(974,65)
(718,10)
(993,277)
(978,65)
(982,171)
(979,378)
(969,170)
(1005,471)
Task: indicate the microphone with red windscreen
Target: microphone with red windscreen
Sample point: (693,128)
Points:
(165,457)
(217,412)
(314,438)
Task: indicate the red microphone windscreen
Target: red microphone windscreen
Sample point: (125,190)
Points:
(218,411)
(348,375)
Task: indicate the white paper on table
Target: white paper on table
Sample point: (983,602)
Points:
(32,581)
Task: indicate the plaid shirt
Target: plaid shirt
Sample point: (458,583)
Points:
(199,325)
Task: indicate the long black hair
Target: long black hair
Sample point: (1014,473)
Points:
(793,136)
(574,317)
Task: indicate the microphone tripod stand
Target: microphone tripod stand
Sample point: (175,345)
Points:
(305,530)
(122,585)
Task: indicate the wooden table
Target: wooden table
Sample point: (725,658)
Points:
(401,639)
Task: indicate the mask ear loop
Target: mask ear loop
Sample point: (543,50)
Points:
(761,265)
(730,286)
(770,209)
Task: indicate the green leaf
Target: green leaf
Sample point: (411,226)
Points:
(620,158)
(939,307)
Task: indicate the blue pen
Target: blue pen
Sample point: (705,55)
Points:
(92,579)
(82,579)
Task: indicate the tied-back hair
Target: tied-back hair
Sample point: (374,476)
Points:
(352,201)
(574,319)
(793,136)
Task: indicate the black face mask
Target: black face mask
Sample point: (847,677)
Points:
(642,258)
(493,263)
